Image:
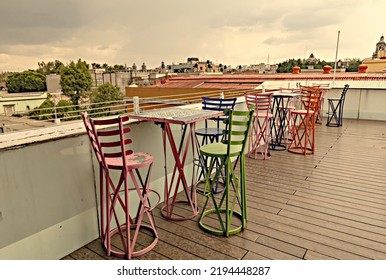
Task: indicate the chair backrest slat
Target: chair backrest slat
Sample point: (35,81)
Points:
(322,85)
(109,137)
(260,102)
(311,98)
(91,136)
(289,90)
(238,129)
(217,104)
(343,94)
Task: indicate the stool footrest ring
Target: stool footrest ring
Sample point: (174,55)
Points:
(210,229)
(122,254)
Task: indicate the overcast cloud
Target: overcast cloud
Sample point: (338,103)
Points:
(149,31)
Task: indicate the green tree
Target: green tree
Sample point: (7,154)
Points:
(104,100)
(75,80)
(44,111)
(286,66)
(96,65)
(353,65)
(65,110)
(27,81)
(51,67)
(4,76)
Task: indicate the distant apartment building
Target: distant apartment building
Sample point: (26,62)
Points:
(18,103)
(194,65)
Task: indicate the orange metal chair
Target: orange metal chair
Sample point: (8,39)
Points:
(303,122)
(118,166)
(260,134)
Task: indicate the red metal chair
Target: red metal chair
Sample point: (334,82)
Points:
(120,168)
(303,122)
(260,134)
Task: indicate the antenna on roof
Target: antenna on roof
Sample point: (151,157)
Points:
(336,56)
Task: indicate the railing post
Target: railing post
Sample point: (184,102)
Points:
(136,104)
(56,120)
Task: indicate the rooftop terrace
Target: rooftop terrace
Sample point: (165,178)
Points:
(328,205)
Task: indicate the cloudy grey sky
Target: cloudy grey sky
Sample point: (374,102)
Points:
(224,31)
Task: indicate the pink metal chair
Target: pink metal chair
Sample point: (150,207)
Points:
(260,134)
(122,188)
(292,104)
(324,87)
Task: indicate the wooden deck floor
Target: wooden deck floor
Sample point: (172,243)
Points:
(331,205)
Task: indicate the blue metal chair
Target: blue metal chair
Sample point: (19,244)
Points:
(211,133)
(335,109)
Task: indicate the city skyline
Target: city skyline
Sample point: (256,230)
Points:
(227,32)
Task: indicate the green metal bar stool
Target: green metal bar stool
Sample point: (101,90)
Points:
(218,211)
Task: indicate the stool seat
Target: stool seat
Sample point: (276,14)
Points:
(209,131)
(302,111)
(262,115)
(289,107)
(219,149)
(135,160)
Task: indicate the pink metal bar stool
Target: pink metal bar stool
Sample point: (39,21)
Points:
(324,87)
(124,195)
(259,136)
(293,103)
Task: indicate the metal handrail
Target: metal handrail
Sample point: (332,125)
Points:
(56,114)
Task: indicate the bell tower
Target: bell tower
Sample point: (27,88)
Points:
(380,49)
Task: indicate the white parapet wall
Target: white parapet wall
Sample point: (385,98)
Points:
(49,187)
